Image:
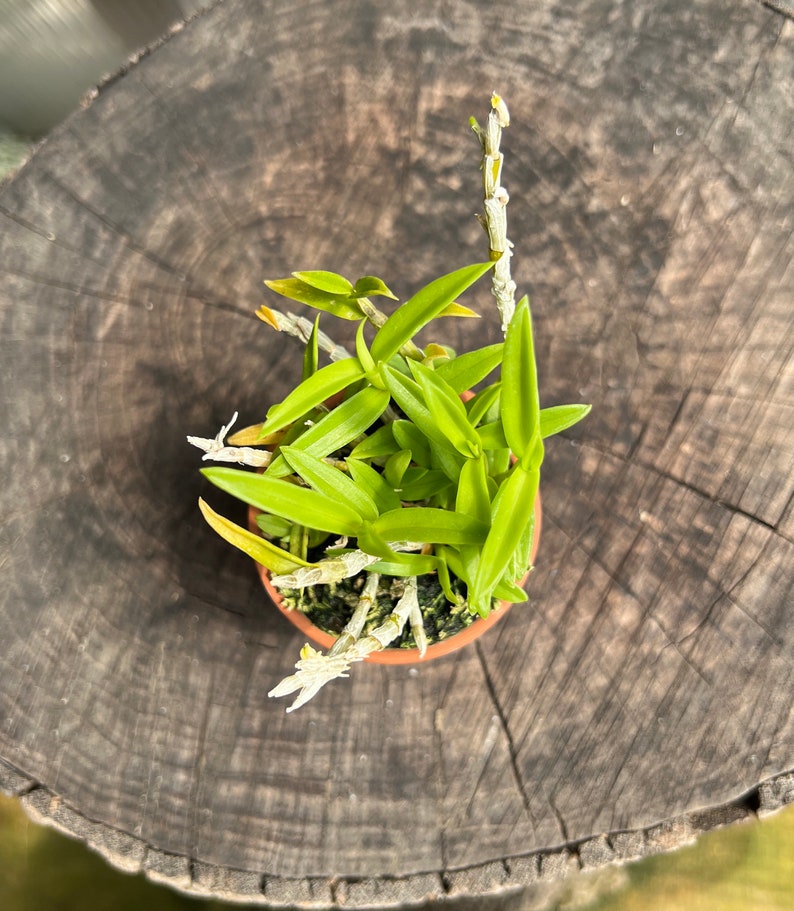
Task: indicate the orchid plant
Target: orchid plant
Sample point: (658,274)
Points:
(378,464)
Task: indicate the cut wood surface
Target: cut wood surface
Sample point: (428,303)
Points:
(645,691)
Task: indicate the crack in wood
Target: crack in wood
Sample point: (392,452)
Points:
(49,282)
(672,643)
(506,729)
(569,843)
(784,7)
(126,239)
(700,492)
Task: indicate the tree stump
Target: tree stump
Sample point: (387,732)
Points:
(644,693)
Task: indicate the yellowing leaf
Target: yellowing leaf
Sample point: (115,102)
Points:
(267,316)
(252,436)
(278,561)
(456,309)
(295,289)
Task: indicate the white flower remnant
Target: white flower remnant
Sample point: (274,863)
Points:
(314,670)
(217,451)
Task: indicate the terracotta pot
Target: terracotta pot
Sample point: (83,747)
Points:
(394,655)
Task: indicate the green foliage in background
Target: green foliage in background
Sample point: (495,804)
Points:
(42,870)
(746,867)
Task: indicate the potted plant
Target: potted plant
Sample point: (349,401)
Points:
(396,497)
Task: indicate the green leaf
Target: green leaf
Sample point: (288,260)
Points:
(331,481)
(338,427)
(396,466)
(492,436)
(371,542)
(447,459)
(375,484)
(379,444)
(429,525)
(479,406)
(365,358)
(273,525)
(511,512)
(424,306)
(463,562)
(519,406)
(330,282)
(296,504)
(409,436)
(519,563)
(472,495)
(509,591)
(443,575)
(311,354)
(447,410)
(408,395)
(498,461)
(299,541)
(405,565)
(274,558)
(370,286)
(421,484)
(296,290)
(466,370)
(561,417)
(311,392)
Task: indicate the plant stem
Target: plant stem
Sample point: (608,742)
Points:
(496,199)
(391,628)
(301,328)
(352,630)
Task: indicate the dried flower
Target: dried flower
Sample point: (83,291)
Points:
(216,450)
(314,670)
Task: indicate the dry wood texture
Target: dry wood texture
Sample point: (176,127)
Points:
(649,679)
